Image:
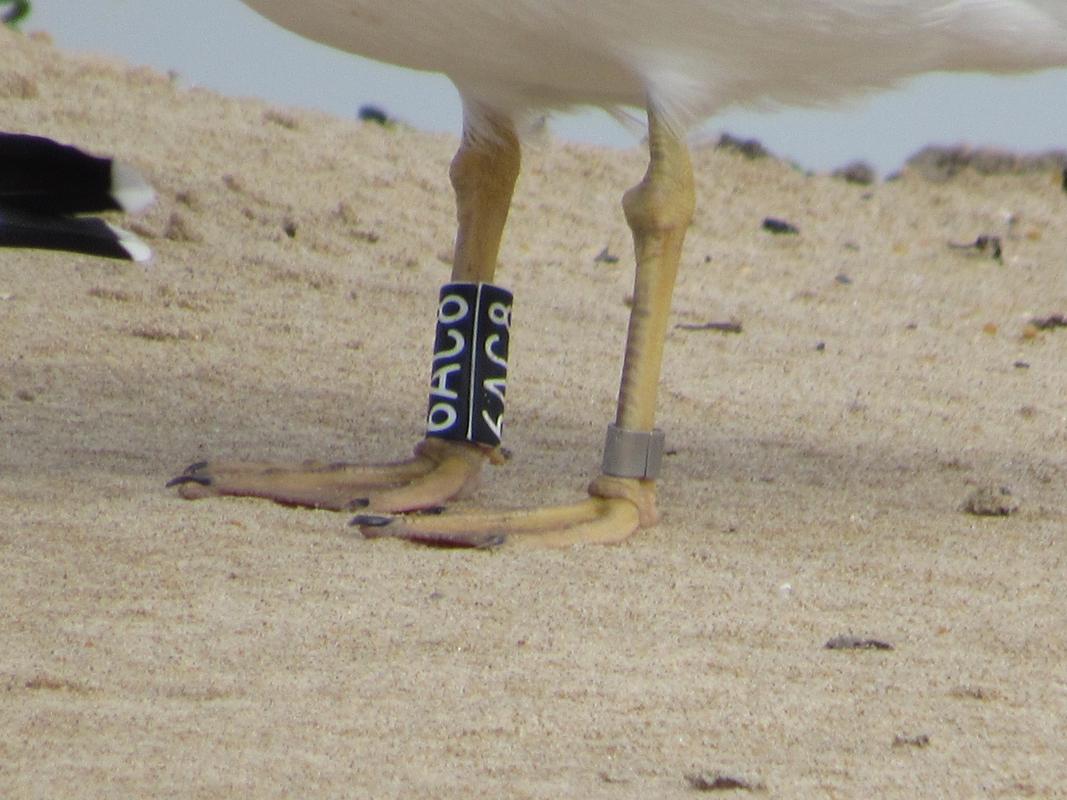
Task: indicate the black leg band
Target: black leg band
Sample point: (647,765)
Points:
(470,363)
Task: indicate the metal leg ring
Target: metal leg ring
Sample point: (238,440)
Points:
(633,454)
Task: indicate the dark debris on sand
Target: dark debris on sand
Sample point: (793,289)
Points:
(939,163)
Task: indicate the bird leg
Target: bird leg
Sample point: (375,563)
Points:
(659,210)
(483,174)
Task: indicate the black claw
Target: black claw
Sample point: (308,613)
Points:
(188,479)
(432,510)
(189,476)
(371,520)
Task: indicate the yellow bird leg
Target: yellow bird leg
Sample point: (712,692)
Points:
(483,174)
(659,210)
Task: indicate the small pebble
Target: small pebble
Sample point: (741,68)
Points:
(373,114)
(778,226)
(990,501)
(859,172)
(718,782)
(605,256)
(922,740)
(848,642)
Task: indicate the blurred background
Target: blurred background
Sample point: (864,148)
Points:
(222,45)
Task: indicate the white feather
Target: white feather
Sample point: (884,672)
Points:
(689,58)
(129,189)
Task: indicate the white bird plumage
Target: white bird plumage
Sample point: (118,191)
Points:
(690,58)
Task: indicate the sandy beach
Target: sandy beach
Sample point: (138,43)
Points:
(816,486)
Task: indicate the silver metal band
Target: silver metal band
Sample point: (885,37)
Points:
(633,454)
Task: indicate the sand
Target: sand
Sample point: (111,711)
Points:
(818,468)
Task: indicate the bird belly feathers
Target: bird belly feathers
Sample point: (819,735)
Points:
(690,57)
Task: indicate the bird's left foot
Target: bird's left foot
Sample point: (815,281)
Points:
(615,509)
(438,471)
